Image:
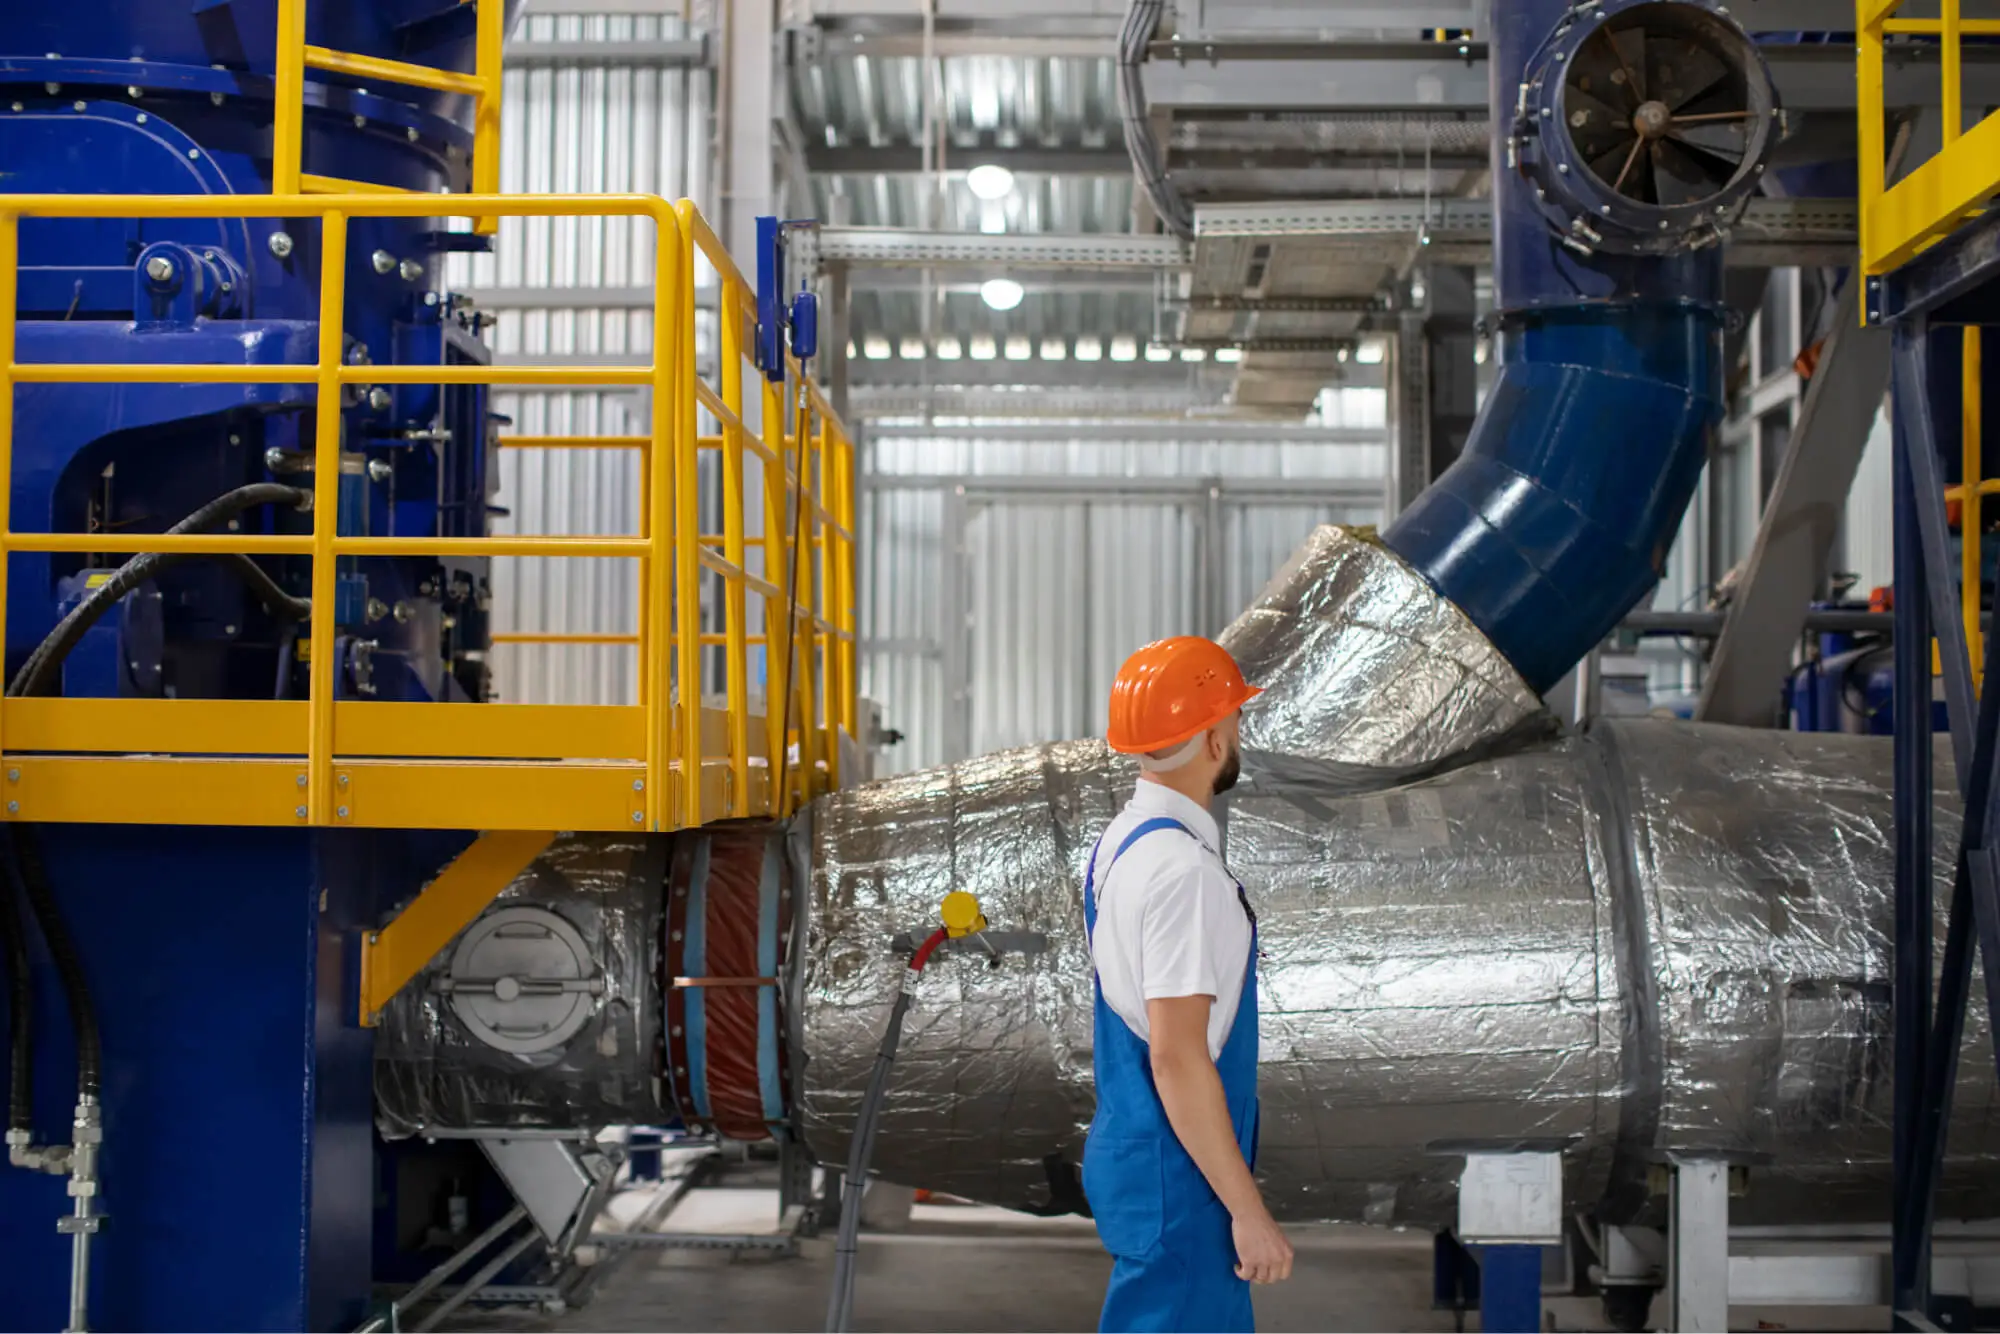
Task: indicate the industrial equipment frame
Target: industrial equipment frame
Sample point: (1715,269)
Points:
(295,56)
(668,762)
(1899,221)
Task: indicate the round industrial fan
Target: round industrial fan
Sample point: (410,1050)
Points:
(1662,111)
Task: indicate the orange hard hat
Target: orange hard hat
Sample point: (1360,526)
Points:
(1172,690)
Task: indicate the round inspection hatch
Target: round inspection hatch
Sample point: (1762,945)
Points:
(522,980)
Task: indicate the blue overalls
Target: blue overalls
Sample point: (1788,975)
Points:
(1168,1233)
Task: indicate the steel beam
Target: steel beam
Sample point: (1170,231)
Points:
(1097,428)
(1107,375)
(908,159)
(1161,403)
(1771,232)
(866,246)
(1295,75)
(1074,489)
(668,54)
(749,130)
(1787,565)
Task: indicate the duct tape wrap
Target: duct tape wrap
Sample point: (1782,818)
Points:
(1363,663)
(1656,938)
(543,1013)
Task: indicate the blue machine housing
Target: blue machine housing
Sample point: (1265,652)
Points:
(239,1165)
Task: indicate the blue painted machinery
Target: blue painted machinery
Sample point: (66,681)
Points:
(180,1060)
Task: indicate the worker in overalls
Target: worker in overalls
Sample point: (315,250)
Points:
(1173,941)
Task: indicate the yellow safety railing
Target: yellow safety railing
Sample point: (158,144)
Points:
(1897,222)
(670,761)
(295,56)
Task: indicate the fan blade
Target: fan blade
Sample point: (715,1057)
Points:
(1678,70)
(1630,46)
(1594,127)
(1725,140)
(1681,177)
(1591,70)
(1608,165)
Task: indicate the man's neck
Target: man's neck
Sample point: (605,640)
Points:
(1197,792)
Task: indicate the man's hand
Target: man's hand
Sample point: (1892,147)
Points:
(1262,1253)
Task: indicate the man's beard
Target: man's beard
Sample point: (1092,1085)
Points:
(1230,772)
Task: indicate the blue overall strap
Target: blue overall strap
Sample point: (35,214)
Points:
(1153,826)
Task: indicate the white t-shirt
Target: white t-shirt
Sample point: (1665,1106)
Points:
(1169,923)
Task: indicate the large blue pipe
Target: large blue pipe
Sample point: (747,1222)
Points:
(1557,518)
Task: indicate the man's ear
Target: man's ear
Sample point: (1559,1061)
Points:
(1217,748)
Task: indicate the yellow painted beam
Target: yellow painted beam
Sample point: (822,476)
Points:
(393,71)
(399,951)
(489,794)
(489,731)
(152,790)
(1932,199)
(156,726)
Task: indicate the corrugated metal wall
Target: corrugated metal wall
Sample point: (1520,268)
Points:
(594,126)
(1003,582)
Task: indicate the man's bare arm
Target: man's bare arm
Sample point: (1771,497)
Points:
(1191,1091)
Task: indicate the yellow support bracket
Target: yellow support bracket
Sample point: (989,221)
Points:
(399,951)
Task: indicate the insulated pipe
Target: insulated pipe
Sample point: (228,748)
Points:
(1557,517)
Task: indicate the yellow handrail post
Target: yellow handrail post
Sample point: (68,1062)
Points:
(289,99)
(777,572)
(1869,159)
(687,550)
(10,261)
(1953,99)
(656,624)
(850,619)
(829,600)
(320,682)
(1971,572)
(807,602)
(736,602)
(490,33)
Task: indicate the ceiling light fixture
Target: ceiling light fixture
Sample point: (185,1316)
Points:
(1001,293)
(990,181)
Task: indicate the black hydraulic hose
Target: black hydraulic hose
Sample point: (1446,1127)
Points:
(34,674)
(28,869)
(861,1149)
(69,965)
(20,1013)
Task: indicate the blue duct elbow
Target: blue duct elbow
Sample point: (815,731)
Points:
(1559,513)
(1557,518)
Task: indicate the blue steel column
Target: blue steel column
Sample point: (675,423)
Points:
(1911,1003)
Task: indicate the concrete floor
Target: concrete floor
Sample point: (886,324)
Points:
(967,1268)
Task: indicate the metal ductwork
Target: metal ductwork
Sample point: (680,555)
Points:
(1658,938)
(1635,132)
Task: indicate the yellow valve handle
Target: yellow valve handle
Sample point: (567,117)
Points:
(961,914)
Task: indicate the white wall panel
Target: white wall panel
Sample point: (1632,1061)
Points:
(588,128)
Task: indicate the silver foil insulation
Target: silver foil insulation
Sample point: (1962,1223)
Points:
(1658,938)
(1364,665)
